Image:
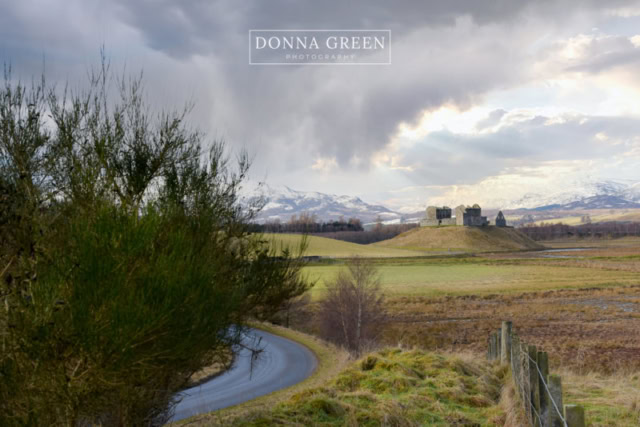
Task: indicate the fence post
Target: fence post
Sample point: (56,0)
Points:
(535,384)
(543,364)
(526,379)
(574,415)
(515,346)
(505,349)
(555,388)
(492,346)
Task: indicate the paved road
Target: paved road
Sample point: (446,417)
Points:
(281,364)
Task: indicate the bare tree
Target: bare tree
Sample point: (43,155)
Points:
(295,308)
(352,314)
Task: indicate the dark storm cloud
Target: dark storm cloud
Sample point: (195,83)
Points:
(443,52)
(198,26)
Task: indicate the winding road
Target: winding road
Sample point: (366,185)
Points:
(282,363)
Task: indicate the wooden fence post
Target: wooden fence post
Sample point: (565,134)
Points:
(525,377)
(505,348)
(535,384)
(555,388)
(574,415)
(493,344)
(543,364)
(540,392)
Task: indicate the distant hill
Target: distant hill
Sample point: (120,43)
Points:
(283,202)
(594,202)
(464,239)
(612,194)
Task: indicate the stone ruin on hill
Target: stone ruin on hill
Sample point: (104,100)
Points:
(470,216)
(501,221)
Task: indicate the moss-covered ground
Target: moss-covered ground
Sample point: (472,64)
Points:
(395,387)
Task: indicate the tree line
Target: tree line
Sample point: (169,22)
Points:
(611,229)
(307,223)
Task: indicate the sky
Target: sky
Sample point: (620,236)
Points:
(483,102)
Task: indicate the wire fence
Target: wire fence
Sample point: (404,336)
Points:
(539,392)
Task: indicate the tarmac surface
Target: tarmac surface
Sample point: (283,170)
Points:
(281,364)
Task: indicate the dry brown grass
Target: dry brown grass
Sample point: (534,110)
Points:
(629,241)
(609,399)
(511,405)
(595,328)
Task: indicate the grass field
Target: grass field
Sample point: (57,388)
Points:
(609,400)
(331,248)
(622,242)
(424,278)
(583,307)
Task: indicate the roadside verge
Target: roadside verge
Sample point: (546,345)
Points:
(331,361)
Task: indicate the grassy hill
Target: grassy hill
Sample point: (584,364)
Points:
(463,239)
(395,387)
(321,246)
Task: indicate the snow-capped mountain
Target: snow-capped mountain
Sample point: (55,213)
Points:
(283,202)
(610,194)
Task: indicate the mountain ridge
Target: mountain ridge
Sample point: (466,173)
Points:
(284,202)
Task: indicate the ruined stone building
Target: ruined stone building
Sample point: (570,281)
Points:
(438,216)
(470,216)
(501,221)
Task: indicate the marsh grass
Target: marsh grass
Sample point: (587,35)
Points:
(609,399)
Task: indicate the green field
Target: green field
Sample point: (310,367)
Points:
(414,272)
(431,279)
(331,248)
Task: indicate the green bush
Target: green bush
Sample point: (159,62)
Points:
(125,256)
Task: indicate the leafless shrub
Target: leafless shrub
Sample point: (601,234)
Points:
(352,314)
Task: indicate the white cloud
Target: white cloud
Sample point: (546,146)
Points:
(325,165)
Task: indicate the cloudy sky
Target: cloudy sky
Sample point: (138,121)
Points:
(484,101)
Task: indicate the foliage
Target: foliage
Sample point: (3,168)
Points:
(125,256)
(352,313)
